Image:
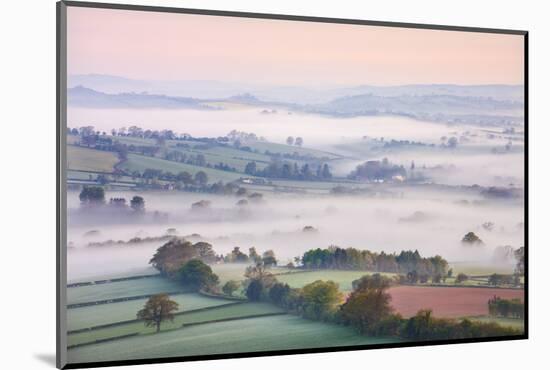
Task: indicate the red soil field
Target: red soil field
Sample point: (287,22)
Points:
(447,301)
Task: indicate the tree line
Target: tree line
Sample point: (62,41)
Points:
(286,170)
(367,309)
(406,262)
(506,307)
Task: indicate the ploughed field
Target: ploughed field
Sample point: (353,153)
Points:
(452,302)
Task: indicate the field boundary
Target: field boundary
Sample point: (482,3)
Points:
(222,296)
(182,327)
(114,280)
(234,319)
(123,299)
(97,341)
(125,322)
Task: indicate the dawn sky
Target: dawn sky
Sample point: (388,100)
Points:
(164,46)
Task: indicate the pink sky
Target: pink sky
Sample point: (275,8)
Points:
(167,46)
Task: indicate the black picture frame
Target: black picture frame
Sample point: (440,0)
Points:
(61,170)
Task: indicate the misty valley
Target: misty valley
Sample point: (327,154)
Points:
(257,223)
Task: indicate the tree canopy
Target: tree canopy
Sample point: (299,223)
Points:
(157,309)
(197,275)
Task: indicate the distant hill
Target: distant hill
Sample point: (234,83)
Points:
(477,104)
(81,96)
(203,89)
(445,108)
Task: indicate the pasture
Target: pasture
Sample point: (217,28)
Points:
(140,163)
(126,288)
(342,278)
(246,335)
(230,311)
(90,316)
(84,159)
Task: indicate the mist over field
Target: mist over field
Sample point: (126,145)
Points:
(444,197)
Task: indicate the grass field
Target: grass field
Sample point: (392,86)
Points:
(216,313)
(262,146)
(89,316)
(140,163)
(514,323)
(247,335)
(145,270)
(127,288)
(470,268)
(84,159)
(343,278)
(235,271)
(232,157)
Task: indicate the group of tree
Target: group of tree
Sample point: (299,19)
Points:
(377,171)
(298,141)
(173,255)
(506,307)
(267,259)
(405,262)
(367,309)
(200,177)
(471,238)
(93,196)
(286,170)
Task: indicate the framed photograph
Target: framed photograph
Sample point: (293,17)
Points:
(237,184)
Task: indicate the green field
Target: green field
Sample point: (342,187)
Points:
(89,316)
(470,268)
(232,157)
(84,159)
(342,278)
(262,146)
(514,323)
(126,288)
(216,313)
(141,163)
(247,335)
(235,271)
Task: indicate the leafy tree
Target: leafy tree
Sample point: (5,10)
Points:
(259,280)
(198,275)
(157,309)
(170,257)
(137,203)
(201,204)
(268,258)
(290,140)
(253,255)
(254,290)
(184,177)
(369,305)
(299,141)
(201,178)
(250,168)
(461,277)
(92,195)
(326,174)
(472,239)
(321,298)
(278,293)
(230,287)
(237,256)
